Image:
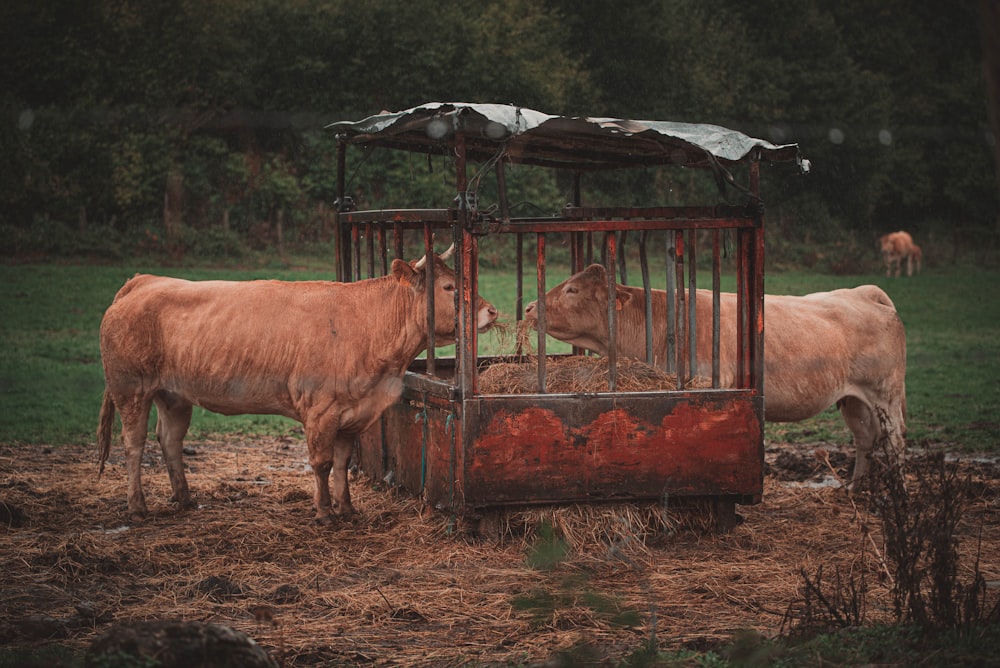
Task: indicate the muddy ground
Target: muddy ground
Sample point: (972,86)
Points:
(402,586)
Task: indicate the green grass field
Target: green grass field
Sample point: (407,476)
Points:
(51,379)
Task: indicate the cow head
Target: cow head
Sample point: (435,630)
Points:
(414,276)
(576,310)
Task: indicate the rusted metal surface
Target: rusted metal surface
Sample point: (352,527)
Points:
(468,452)
(559,449)
(575,143)
(534,449)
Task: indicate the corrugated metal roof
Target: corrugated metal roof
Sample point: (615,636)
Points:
(527,136)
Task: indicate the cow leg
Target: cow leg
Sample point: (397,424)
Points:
(873,423)
(343,448)
(173,417)
(321,435)
(134,411)
(861,421)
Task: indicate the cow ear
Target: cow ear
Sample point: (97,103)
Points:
(621,298)
(404,273)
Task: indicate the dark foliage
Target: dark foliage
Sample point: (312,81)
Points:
(182,118)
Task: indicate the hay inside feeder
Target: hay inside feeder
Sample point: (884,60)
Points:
(579,374)
(572,374)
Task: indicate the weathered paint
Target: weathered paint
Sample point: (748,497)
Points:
(535,455)
(495,451)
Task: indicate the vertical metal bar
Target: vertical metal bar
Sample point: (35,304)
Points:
(341,247)
(502,191)
(341,166)
(742,342)
(519,278)
(576,266)
(716,299)
(648,293)
(574,252)
(429,295)
(356,252)
(466,264)
(620,237)
(758,277)
(382,250)
(682,329)
(693,302)
(578,257)
(370,248)
(670,361)
(611,248)
(397,240)
(542,326)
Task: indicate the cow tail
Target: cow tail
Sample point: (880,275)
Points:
(105,426)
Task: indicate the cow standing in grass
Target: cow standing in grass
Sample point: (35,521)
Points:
(330,355)
(845,347)
(896,248)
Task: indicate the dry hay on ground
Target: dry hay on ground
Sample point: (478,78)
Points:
(401,586)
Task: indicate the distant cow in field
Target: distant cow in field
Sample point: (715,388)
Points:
(330,355)
(897,247)
(845,347)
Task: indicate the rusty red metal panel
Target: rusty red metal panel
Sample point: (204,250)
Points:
(533,450)
(411,445)
(547,452)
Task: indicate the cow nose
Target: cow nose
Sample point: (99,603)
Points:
(487,316)
(529,310)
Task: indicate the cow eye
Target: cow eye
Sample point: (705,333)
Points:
(571,290)
(448,287)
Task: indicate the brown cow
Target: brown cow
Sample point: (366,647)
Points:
(330,355)
(896,247)
(845,347)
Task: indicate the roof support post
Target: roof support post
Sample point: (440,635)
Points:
(466,269)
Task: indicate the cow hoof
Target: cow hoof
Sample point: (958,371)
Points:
(137,517)
(344,511)
(325,520)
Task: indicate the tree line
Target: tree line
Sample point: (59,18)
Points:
(199,125)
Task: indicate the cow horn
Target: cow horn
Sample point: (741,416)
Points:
(444,256)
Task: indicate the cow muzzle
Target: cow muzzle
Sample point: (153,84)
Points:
(487,317)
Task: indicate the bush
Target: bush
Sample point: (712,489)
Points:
(919,524)
(213,243)
(47,237)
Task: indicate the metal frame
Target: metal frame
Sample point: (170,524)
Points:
(468,453)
